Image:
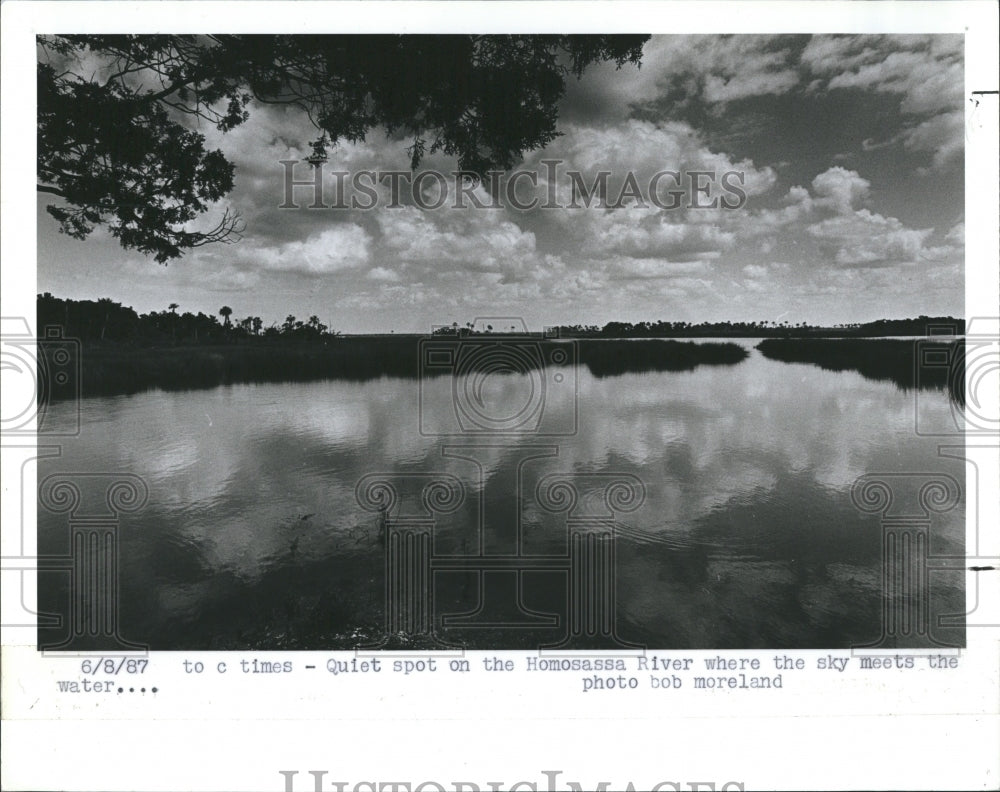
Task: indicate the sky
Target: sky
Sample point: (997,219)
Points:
(849,149)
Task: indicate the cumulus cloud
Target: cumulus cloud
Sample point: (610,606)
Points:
(835,190)
(926,84)
(840,189)
(867,239)
(730,68)
(338,247)
(925,72)
(646,149)
(713,69)
(645,234)
(474,240)
(829,226)
(942,135)
(848,233)
(923,75)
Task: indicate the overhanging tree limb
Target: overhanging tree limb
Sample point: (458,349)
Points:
(115,146)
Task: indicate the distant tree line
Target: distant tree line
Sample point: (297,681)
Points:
(765,328)
(107,320)
(110,321)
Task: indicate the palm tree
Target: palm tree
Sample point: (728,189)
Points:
(173,321)
(225,312)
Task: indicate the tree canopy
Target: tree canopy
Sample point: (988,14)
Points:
(115,113)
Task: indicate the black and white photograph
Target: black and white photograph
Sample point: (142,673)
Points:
(504,342)
(550,370)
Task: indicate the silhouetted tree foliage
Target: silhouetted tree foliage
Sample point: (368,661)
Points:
(106,320)
(114,112)
(124,352)
(920,326)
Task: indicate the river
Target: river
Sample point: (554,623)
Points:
(709,508)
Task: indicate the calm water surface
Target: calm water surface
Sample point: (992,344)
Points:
(746,534)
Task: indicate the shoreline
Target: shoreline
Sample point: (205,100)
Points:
(99,368)
(109,368)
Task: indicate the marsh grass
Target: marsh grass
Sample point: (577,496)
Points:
(110,369)
(903,362)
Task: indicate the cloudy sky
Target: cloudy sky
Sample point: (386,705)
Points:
(851,155)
